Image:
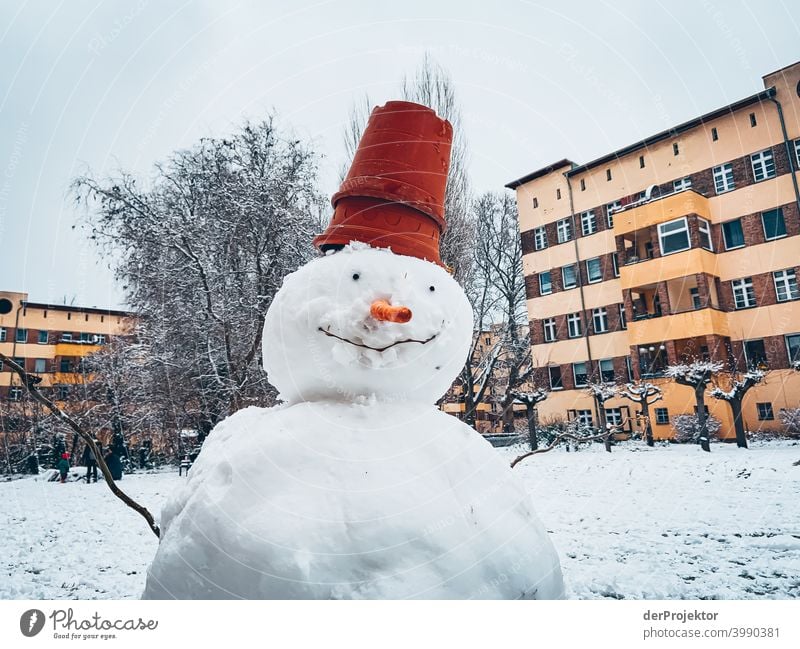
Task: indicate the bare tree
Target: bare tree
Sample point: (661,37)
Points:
(697,375)
(531,400)
(643,394)
(733,393)
(602,392)
(200,253)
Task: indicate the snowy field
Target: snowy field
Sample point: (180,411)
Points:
(668,522)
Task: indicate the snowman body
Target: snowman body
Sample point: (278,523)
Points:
(357,487)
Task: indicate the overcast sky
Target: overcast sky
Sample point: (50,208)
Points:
(107,85)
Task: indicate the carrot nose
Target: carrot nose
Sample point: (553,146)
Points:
(382,310)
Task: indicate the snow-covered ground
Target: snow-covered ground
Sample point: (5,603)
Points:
(668,522)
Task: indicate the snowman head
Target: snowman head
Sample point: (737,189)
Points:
(365,322)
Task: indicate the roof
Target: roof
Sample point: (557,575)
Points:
(540,172)
(77,309)
(663,135)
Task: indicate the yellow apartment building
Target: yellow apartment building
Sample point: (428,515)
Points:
(682,245)
(50,340)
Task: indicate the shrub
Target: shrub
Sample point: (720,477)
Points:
(687,428)
(790,418)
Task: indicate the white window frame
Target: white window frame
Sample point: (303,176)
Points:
(574,325)
(599,267)
(541,289)
(588,223)
(611,209)
(760,411)
(743,288)
(585,373)
(24,337)
(584,417)
(613,416)
(40,362)
(615,263)
(704,227)
(550,377)
(723,178)
(601,314)
(666,416)
(725,238)
(623,321)
(764,225)
(789,347)
(564,277)
(662,235)
(15,393)
(786,280)
(3,334)
(681,184)
(549,330)
(66,336)
(763,164)
(600,369)
(540,238)
(564,230)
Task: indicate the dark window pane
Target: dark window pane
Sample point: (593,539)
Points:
(774,225)
(734,236)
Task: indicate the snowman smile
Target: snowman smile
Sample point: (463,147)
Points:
(377,349)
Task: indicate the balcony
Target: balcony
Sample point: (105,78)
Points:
(649,270)
(682,324)
(76,348)
(659,210)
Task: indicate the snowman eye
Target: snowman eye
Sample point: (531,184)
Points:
(356,276)
(432,288)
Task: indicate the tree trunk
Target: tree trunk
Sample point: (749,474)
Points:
(738,423)
(530,411)
(601,413)
(701,417)
(648,427)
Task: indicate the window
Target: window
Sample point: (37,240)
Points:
(752,119)
(615,263)
(40,365)
(86,337)
(594,271)
(695,293)
(600,320)
(22,335)
(714,135)
(614,416)
(608,174)
(569,276)
(554,372)
(3,334)
(774,224)
(15,393)
(563,230)
(673,236)
(545,283)
(581,377)
(681,184)
(99,339)
(797,151)
(662,416)
(629,368)
(63,392)
(743,294)
(704,229)
(641,162)
(558,194)
(549,327)
(66,337)
(786,285)
(574,329)
(755,353)
(763,165)
(733,234)
(588,223)
(65,365)
(540,238)
(583,417)
(765,411)
(610,209)
(675,148)
(793,347)
(623,323)
(723,178)
(42,337)
(535,202)
(21,362)
(606,370)
(583,185)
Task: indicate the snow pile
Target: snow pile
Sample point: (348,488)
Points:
(335,500)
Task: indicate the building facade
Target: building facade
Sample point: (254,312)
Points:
(49,340)
(681,246)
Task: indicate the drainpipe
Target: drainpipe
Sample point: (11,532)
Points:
(580,288)
(789,153)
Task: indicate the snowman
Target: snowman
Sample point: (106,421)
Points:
(357,486)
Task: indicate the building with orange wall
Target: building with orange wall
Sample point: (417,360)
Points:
(682,245)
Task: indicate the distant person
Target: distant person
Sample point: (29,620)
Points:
(114,464)
(63,466)
(90,462)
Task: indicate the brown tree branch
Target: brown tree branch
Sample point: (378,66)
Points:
(558,438)
(30,383)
